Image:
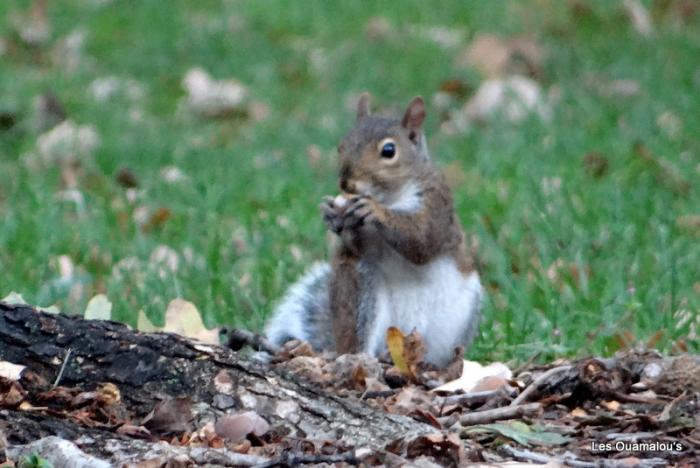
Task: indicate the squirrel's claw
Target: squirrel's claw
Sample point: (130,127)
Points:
(360,212)
(331,217)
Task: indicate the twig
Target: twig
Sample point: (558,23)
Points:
(377,394)
(63,367)
(539,381)
(496,414)
(526,455)
(632,398)
(239,338)
(542,459)
(296,460)
(469,398)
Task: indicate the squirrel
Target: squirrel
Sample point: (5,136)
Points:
(402,258)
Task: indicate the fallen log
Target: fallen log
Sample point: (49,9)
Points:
(149,368)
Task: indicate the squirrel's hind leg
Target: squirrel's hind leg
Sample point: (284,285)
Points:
(303,312)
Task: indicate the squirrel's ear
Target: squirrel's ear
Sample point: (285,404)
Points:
(363,106)
(414,116)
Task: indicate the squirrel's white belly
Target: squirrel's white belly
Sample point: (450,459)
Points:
(436,299)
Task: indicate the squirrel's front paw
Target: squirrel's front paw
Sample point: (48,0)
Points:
(361,211)
(332,214)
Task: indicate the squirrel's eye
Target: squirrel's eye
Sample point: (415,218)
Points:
(388,150)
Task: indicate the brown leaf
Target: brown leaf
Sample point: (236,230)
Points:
(130,430)
(689,223)
(495,57)
(359,374)
(156,219)
(408,400)
(611,405)
(655,339)
(595,164)
(378,28)
(223,382)
(457,88)
(11,393)
(488,383)
(446,449)
(169,416)
(413,351)
(126,177)
(663,171)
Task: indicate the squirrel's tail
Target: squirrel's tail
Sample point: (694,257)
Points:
(303,311)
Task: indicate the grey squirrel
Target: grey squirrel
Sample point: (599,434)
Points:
(402,259)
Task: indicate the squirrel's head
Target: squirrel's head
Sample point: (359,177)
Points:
(381,156)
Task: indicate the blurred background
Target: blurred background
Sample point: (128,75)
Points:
(156,150)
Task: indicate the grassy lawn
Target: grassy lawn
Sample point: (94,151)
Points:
(576,261)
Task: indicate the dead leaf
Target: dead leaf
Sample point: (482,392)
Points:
(639,16)
(235,427)
(126,177)
(156,219)
(460,89)
(406,351)
(521,433)
(11,371)
(47,111)
(14,298)
(444,448)
(33,27)
(495,57)
(108,394)
(144,324)
(223,382)
(214,98)
(11,393)
(408,400)
(490,383)
(98,308)
(689,223)
(413,351)
(183,318)
(173,175)
(515,98)
(663,171)
(611,405)
(671,124)
(170,416)
(472,374)
(394,341)
(138,432)
(68,145)
(378,28)
(595,164)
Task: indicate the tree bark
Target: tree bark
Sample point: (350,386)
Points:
(152,367)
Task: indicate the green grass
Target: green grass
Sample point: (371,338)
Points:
(249,206)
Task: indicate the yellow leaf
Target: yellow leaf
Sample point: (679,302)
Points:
(144,324)
(183,318)
(98,308)
(394,341)
(14,298)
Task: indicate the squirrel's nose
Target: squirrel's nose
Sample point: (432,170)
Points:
(344,178)
(346,185)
